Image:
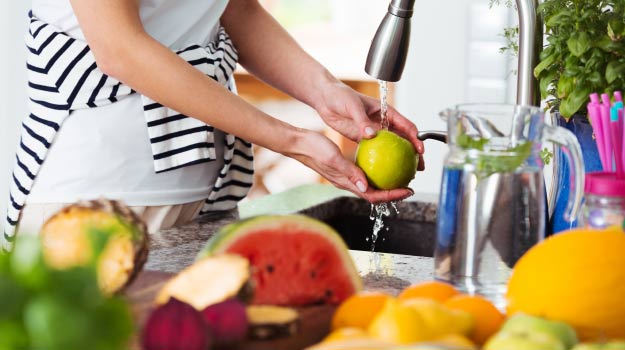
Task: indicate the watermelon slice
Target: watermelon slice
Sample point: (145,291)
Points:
(296,260)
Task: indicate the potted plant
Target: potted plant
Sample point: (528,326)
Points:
(583,52)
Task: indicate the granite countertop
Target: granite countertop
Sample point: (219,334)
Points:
(173,249)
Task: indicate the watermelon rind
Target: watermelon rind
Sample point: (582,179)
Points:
(231,233)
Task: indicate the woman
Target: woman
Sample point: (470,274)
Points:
(132,100)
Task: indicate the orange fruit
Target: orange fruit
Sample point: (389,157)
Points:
(358,310)
(577,277)
(439,291)
(488,319)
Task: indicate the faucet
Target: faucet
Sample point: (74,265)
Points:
(389,48)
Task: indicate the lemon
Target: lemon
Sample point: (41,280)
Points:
(439,319)
(398,324)
(388,160)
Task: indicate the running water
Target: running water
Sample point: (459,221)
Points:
(384,102)
(377,214)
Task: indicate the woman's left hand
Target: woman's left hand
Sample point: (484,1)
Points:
(357,116)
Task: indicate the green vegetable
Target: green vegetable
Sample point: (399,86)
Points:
(44,308)
(584,51)
(490,162)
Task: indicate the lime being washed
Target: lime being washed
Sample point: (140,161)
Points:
(388,160)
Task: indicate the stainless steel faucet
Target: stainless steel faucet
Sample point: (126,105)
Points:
(389,48)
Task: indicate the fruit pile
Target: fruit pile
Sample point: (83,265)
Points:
(566,289)
(246,282)
(429,313)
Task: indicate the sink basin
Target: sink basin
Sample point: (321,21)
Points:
(412,231)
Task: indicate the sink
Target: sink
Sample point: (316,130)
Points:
(412,231)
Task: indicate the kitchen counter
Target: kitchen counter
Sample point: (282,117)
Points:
(173,249)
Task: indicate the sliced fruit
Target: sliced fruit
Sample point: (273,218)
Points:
(74,237)
(398,324)
(209,281)
(346,333)
(359,344)
(296,260)
(358,310)
(439,291)
(441,320)
(455,341)
(175,326)
(488,319)
(227,322)
(269,322)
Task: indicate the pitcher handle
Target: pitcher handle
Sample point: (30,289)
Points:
(571,148)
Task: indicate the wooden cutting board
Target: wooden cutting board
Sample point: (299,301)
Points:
(314,320)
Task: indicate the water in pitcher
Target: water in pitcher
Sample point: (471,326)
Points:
(486,222)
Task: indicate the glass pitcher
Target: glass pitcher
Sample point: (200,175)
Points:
(493,205)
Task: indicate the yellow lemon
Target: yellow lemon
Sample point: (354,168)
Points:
(388,160)
(455,341)
(398,324)
(346,333)
(441,320)
(358,310)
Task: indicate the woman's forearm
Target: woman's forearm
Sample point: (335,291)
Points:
(270,53)
(155,71)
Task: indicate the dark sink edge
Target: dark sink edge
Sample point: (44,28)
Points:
(419,211)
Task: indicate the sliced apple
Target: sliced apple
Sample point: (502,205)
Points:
(209,281)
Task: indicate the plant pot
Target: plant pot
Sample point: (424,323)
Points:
(580,126)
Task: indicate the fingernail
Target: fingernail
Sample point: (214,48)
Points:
(369,131)
(361,187)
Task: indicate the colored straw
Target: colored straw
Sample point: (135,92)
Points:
(617,140)
(618,97)
(595,118)
(605,125)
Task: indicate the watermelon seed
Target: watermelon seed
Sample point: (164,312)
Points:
(328,293)
(270,268)
(313,274)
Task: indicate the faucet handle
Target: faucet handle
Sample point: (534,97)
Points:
(437,135)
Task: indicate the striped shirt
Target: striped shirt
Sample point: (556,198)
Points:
(63,76)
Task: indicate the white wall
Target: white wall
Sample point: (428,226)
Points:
(441,71)
(13,24)
(454,58)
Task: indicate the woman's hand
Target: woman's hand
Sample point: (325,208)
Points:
(320,154)
(357,116)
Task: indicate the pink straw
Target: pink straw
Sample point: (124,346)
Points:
(595,118)
(605,125)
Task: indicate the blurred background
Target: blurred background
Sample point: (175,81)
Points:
(454,58)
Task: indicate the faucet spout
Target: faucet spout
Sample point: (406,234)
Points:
(530,45)
(389,47)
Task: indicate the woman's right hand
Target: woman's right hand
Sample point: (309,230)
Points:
(319,153)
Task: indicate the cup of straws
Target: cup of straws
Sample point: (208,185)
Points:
(604,199)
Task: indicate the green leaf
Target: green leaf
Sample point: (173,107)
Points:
(614,70)
(606,44)
(560,17)
(545,83)
(578,43)
(565,86)
(574,102)
(546,155)
(548,61)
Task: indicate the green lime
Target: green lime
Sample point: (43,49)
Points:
(388,160)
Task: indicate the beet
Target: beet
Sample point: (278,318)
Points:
(175,326)
(227,321)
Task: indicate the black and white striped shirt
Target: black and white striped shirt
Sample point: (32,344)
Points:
(63,76)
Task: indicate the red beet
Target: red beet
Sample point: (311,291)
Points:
(175,326)
(227,321)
